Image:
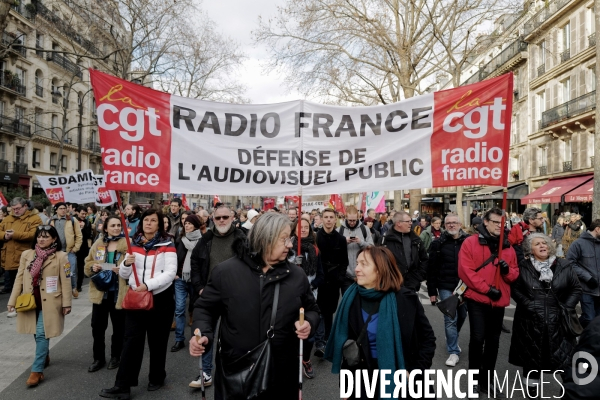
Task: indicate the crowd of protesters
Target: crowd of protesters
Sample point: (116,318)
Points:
(223,271)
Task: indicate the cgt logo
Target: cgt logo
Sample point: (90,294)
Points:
(55,195)
(584,364)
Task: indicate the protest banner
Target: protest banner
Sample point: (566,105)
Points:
(376,201)
(72,188)
(157,142)
(308,206)
(104,197)
(3,201)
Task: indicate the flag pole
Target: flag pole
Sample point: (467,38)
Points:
(299,227)
(507,127)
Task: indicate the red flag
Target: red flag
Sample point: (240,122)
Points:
(3,202)
(363,202)
(335,201)
(184,202)
(216,200)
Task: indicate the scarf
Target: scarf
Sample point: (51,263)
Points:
(141,241)
(107,239)
(307,245)
(189,241)
(38,260)
(388,340)
(543,267)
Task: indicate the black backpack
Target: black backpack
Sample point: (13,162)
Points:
(363,229)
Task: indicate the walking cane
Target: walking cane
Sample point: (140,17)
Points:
(198,336)
(301,320)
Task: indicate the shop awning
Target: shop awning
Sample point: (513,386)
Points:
(583,193)
(553,191)
(515,192)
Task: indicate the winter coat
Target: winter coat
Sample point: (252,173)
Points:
(585,253)
(72,234)
(473,253)
(182,252)
(174,223)
(418,338)
(24,228)
(557,233)
(333,249)
(386,227)
(537,341)
(354,248)
(376,236)
(414,273)
(242,295)
(132,224)
(200,259)
(97,255)
(589,342)
(442,271)
(56,265)
(573,231)
(164,271)
(427,237)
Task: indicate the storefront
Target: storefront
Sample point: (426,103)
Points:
(491,197)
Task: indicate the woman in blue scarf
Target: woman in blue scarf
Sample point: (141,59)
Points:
(398,335)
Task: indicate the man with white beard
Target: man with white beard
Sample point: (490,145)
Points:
(217,245)
(442,279)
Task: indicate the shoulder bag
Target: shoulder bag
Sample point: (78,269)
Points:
(140,300)
(350,350)
(25,302)
(569,321)
(248,376)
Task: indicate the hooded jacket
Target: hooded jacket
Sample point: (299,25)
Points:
(442,271)
(474,252)
(415,272)
(585,254)
(24,230)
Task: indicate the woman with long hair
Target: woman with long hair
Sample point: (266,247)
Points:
(44,272)
(155,261)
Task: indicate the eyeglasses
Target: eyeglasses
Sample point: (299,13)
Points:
(287,241)
(496,222)
(224,218)
(44,227)
(452,223)
(410,220)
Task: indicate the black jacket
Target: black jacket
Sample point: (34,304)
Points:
(333,249)
(200,259)
(442,268)
(589,342)
(537,341)
(376,236)
(414,273)
(242,296)
(585,253)
(418,338)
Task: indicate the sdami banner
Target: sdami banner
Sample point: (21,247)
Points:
(157,142)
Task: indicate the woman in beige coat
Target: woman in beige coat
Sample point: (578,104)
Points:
(110,248)
(45,272)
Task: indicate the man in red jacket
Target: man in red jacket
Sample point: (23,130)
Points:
(488,293)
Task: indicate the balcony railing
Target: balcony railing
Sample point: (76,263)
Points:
(9,82)
(571,108)
(592,40)
(39,50)
(39,90)
(567,166)
(565,55)
(20,168)
(15,43)
(55,98)
(95,147)
(4,166)
(65,63)
(543,15)
(541,69)
(15,126)
(66,28)
(543,170)
(508,53)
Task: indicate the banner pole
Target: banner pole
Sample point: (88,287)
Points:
(299,227)
(507,128)
(123,224)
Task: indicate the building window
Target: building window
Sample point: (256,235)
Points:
(38,118)
(566,90)
(593,73)
(542,59)
(53,160)
(2,151)
(541,104)
(591,20)
(543,153)
(568,151)
(566,36)
(19,114)
(63,164)
(55,127)
(1,107)
(36,158)
(20,156)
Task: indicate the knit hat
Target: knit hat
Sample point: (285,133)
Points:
(476,221)
(369,219)
(194,220)
(59,204)
(251,214)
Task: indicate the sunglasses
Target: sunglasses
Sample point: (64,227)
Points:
(224,218)
(44,227)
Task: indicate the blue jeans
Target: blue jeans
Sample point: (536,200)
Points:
(73,264)
(452,326)
(590,308)
(42,345)
(207,357)
(183,289)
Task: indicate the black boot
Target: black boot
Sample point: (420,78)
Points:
(96,366)
(114,363)
(115,392)
(177,346)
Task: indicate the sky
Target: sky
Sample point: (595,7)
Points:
(237,19)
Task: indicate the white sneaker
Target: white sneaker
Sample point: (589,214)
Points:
(198,383)
(452,360)
(11,314)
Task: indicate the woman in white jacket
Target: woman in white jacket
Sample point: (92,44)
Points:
(155,260)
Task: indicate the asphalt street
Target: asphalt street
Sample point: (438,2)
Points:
(67,377)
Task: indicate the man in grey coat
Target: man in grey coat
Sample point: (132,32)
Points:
(358,236)
(585,252)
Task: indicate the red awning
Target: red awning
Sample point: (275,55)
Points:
(553,191)
(582,194)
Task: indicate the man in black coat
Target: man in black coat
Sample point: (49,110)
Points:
(442,279)
(333,249)
(411,256)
